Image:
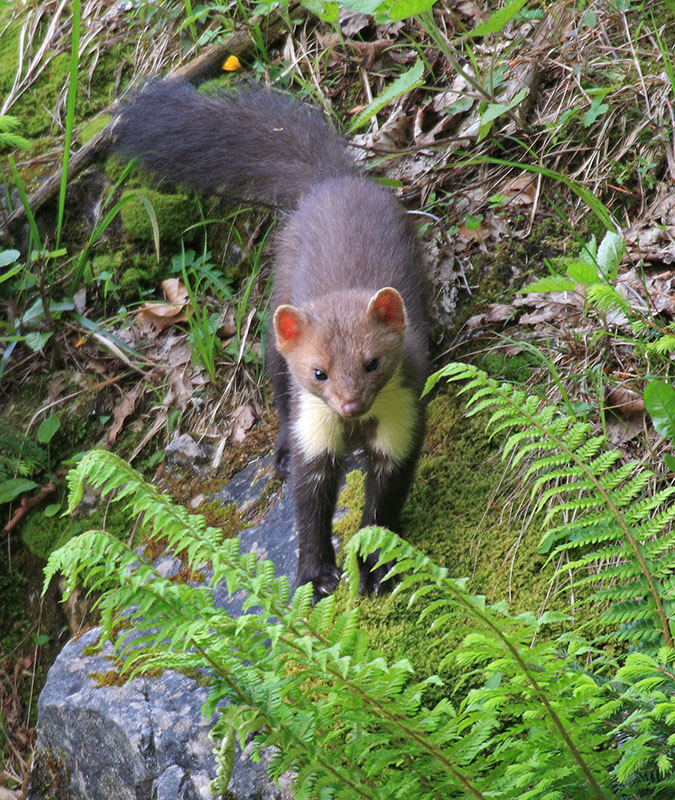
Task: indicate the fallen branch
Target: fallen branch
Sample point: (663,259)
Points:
(207,65)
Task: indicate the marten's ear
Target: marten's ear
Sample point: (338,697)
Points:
(288,326)
(387,307)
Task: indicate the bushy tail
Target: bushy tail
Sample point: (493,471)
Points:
(254,143)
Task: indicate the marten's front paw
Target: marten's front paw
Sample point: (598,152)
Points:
(282,458)
(324,581)
(371,580)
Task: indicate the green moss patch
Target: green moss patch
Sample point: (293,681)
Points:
(175,213)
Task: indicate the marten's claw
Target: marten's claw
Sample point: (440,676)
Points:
(371,581)
(323,583)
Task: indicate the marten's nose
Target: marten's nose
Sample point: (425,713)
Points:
(352,408)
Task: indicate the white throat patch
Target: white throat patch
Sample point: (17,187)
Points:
(319,430)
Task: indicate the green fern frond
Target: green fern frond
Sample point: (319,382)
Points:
(663,345)
(575,476)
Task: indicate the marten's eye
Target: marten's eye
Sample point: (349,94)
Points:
(320,375)
(372,365)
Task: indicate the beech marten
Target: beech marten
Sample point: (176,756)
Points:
(348,358)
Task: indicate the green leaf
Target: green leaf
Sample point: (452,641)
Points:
(393,182)
(669,461)
(14,487)
(589,252)
(8,257)
(406,82)
(362,6)
(582,272)
(609,254)
(498,20)
(36,339)
(52,509)
(553,283)
(11,272)
(495,110)
(659,400)
(327,11)
(597,109)
(402,9)
(48,428)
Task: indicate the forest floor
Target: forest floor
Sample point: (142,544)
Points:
(529,143)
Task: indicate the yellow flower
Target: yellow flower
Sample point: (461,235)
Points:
(231,64)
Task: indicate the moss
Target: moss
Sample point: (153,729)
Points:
(513,368)
(35,106)
(455,516)
(93,127)
(44,534)
(50,775)
(174,212)
(228,518)
(143,274)
(105,262)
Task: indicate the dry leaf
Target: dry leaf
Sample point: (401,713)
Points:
(156,317)
(393,134)
(352,22)
(227,322)
(181,388)
(475,322)
(521,191)
(175,291)
(499,312)
(625,401)
(153,318)
(243,420)
(124,409)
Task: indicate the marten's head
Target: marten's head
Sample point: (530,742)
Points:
(343,347)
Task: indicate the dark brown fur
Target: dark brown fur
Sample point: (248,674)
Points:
(344,241)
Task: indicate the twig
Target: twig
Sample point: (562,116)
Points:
(28,503)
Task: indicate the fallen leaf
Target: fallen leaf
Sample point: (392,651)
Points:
(622,431)
(352,22)
(499,312)
(180,387)
(475,322)
(227,322)
(232,64)
(367,52)
(243,420)
(124,409)
(625,401)
(153,318)
(521,190)
(175,291)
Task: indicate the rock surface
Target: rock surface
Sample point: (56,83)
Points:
(146,739)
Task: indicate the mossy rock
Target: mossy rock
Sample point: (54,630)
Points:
(175,213)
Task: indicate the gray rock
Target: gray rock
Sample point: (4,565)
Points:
(147,739)
(184,452)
